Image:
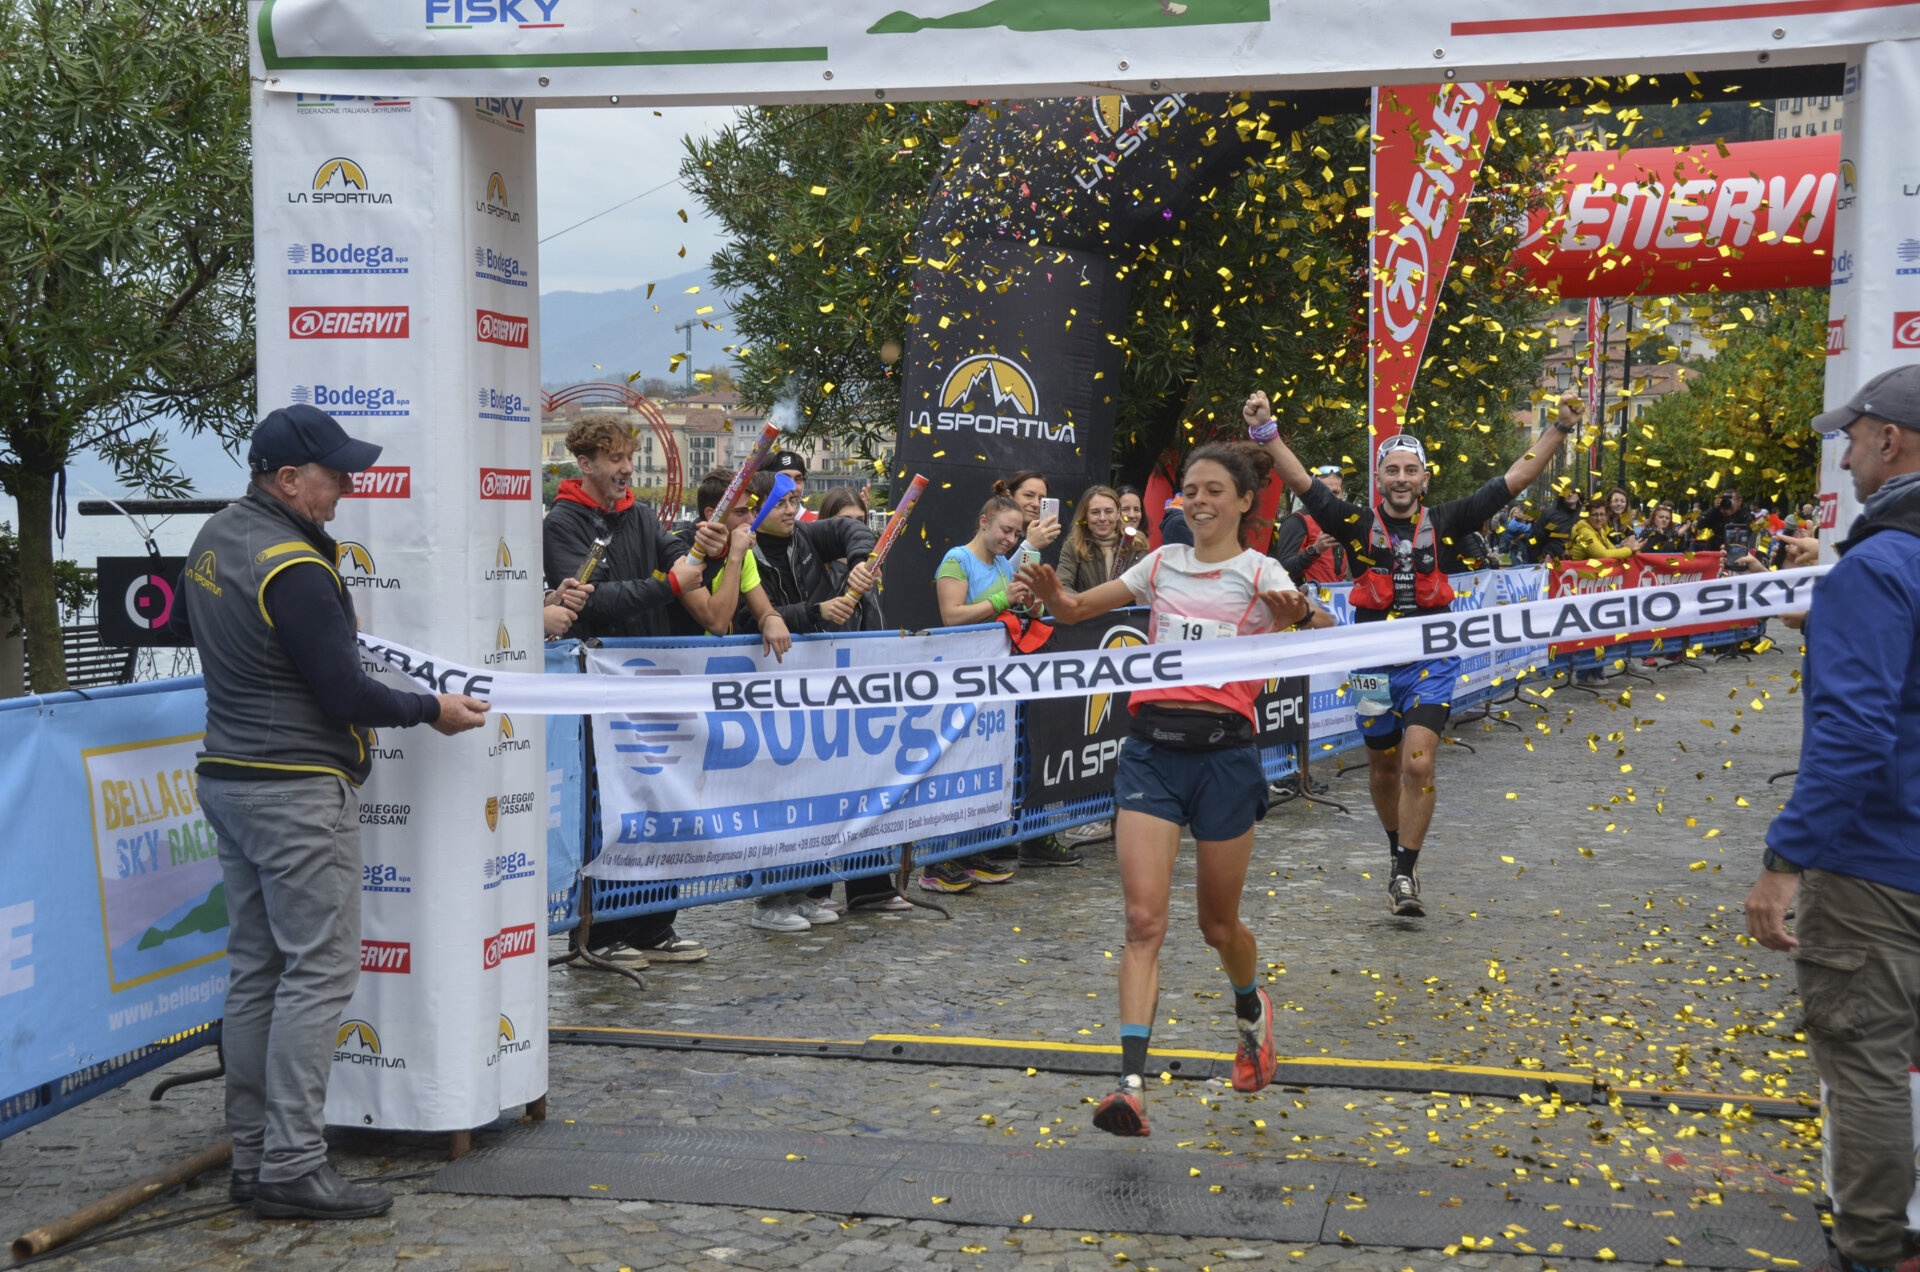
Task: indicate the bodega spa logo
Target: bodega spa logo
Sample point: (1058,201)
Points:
(992,395)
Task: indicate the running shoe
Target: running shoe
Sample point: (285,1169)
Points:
(1403,896)
(813,912)
(983,869)
(945,876)
(620,954)
(1255,1064)
(1048,851)
(1124,1112)
(830,903)
(776,914)
(1091,833)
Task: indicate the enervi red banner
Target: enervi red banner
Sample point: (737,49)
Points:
(1646,569)
(1682,221)
(1429,140)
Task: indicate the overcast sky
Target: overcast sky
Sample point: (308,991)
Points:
(593,159)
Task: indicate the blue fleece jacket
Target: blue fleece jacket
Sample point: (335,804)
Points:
(1855,808)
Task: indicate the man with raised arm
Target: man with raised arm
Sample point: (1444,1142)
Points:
(1395,554)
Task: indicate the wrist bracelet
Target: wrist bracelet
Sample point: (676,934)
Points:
(1000,603)
(1264,432)
(673,582)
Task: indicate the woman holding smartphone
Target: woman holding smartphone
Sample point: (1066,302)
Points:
(1190,760)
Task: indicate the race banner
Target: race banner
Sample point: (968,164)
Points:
(939,680)
(1429,140)
(1577,578)
(685,794)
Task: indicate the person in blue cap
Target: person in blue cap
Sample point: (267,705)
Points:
(288,713)
(1845,851)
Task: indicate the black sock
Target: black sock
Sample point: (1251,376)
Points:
(1246,1006)
(1405,859)
(1393,840)
(1133,1054)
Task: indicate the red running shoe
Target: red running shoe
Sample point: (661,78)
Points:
(1123,1113)
(1255,1064)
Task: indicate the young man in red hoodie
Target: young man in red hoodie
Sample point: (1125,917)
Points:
(642,574)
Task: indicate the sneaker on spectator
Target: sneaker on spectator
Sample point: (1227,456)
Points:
(945,876)
(674,948)
(620,954)
(984,869)
(776,914)
(884,903)
(830,903)
(812,911)
(1091,833)
(1048,851)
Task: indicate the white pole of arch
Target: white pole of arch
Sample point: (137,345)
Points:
(1873,318)
(395,245)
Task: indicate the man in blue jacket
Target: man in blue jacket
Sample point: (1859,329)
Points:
(1848,842)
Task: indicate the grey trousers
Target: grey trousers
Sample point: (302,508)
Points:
(290,852)
(1859,971)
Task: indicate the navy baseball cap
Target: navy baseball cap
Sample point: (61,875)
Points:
(1893,396)
(302,434)
(787,461)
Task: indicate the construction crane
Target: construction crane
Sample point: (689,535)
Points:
(688,327)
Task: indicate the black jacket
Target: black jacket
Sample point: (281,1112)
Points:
(1551,530)
(812,550)
(631,596)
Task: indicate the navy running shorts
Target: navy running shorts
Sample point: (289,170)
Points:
(1219,795)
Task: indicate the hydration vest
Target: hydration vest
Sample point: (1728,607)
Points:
(1373,587)
(1325,568)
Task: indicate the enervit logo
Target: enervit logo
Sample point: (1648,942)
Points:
(992,395)
(344,258)
(506,483)
(1829,510)
(507,866)
(504,570)
(497,267)
(445,15)
(500,329)
(353,399)
(348,322)
(383,483)
(509,1041)
(386,956)
(503,650)
(305,104)
(1836,336)
(358,1042)
(502,112)
(495,203)
(1100,705)
(507,943)
(356,567)
(508,408)
(505,740)
(376,876)
(339,182)
(1906,329)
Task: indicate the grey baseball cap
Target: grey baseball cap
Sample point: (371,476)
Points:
(1893,396)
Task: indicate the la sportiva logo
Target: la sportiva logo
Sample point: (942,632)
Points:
(383,483)
(504,570)
(352,399)
(508,1041)
(501,329)
(454,15)
(1118,130)
(503,649)
(512,942)
(505,740)
(1100,705)
(378,752)
(992,395)
(358,1042)
(344,258)
(340,182)
(205,573)
(395,957)
(348,322)
(508,408)
(497,267)
(495,203)
(356,568)
(506,483)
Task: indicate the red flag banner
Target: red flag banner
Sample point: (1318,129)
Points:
(1644,569)
(1428,142)
(1684,221)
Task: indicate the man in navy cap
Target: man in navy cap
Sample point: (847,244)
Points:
(1848,842)
(288,710)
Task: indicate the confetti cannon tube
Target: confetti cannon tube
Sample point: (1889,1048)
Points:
(895,524)
(768,433)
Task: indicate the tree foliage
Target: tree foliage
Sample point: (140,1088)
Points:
(126,298)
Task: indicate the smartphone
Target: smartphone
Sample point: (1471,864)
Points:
(1050,508)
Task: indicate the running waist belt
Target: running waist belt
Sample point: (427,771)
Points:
(1191,729)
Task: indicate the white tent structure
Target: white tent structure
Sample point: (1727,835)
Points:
(394,176)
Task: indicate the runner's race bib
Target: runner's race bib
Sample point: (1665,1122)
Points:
(1173,629)
(1372,692)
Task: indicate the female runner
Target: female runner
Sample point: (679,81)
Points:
(1191,758)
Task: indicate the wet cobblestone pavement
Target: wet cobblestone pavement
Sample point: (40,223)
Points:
(1583,879)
